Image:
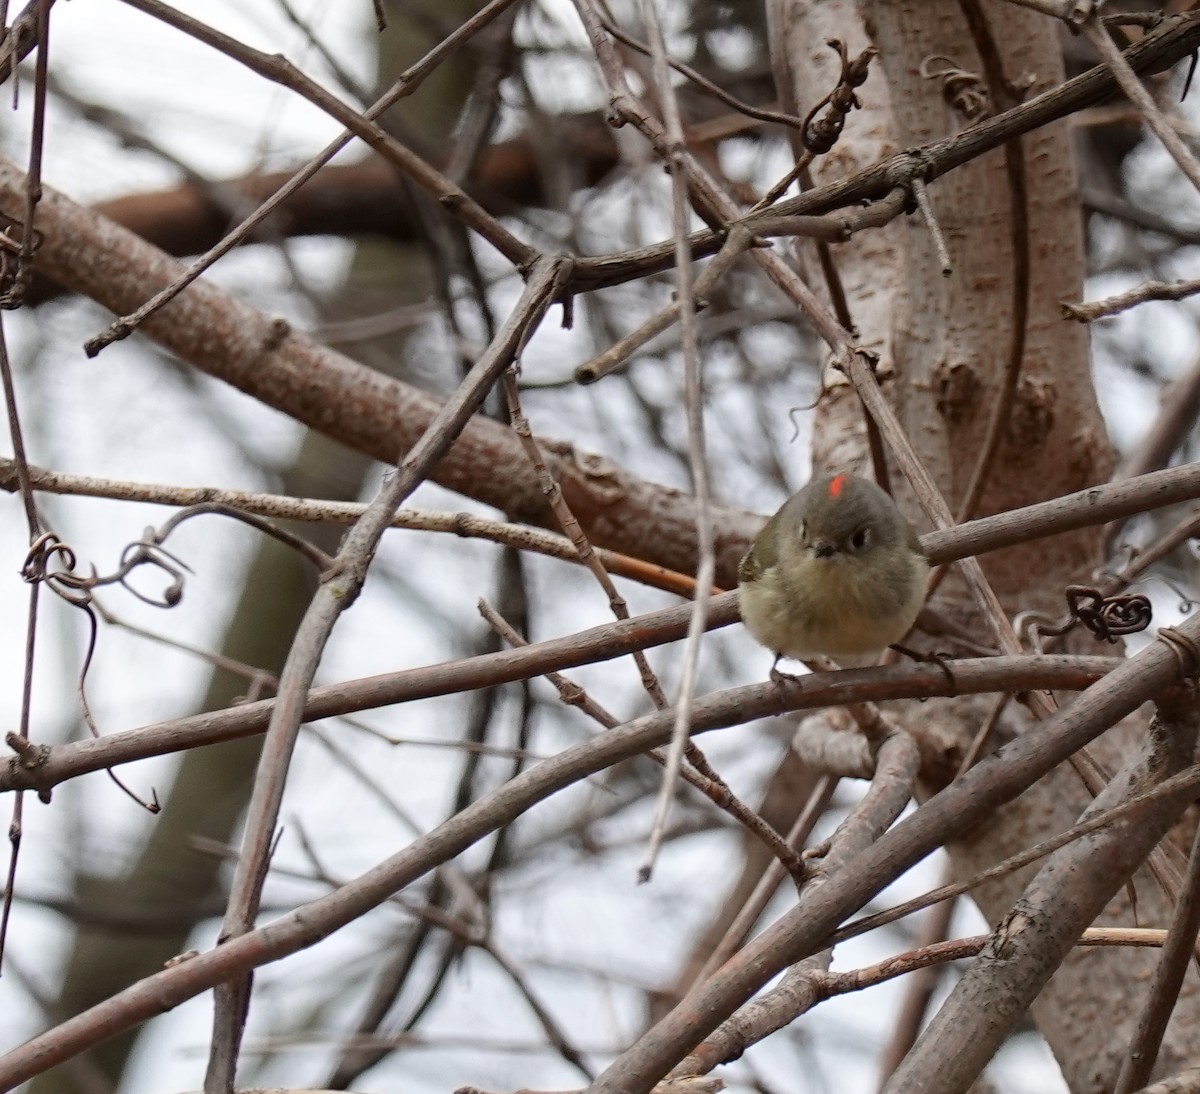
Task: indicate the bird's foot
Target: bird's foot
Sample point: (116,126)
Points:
(783,679)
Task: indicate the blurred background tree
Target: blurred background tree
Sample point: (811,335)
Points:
(532,959)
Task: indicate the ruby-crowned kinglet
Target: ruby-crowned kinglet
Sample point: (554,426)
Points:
(837,571)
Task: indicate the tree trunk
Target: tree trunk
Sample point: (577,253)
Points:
(1012,228)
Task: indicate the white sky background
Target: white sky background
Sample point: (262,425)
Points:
(128,414)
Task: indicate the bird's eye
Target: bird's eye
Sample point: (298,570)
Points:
(859,539)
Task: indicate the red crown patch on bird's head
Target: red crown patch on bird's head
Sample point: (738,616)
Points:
(836,485)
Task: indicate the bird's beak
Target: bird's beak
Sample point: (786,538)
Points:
(823,550)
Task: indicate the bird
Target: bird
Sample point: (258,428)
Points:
(838,571)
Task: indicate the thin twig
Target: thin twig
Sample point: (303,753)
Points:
(34,527)
(1168,979)
(927,957)
(1090,311)
(935,230)
(574,531)
(361,125)
(1182,782)
(718,92)
(338,590)
(52,765)
(1134,89)
(283,507)
(697,454)
(315,41)
(1082,509)
(710,785)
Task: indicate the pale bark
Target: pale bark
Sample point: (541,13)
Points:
(944,344)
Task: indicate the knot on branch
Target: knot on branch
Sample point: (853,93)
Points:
(819,135)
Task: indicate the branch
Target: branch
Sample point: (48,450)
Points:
(1090,310)
(1067,894)
(338,590)
(363,198)
(967,801)
(961,804)
(896,765)
(1175,38)
(263,357)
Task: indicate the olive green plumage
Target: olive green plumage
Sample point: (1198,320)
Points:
(836,571)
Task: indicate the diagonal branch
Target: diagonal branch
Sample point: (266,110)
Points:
(964,802)
(338,590)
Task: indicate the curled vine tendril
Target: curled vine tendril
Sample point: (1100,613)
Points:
(1108,618)
(54,563)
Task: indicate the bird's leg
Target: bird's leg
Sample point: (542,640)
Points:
(782,678)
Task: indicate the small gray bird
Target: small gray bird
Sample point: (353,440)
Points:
(837,571)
